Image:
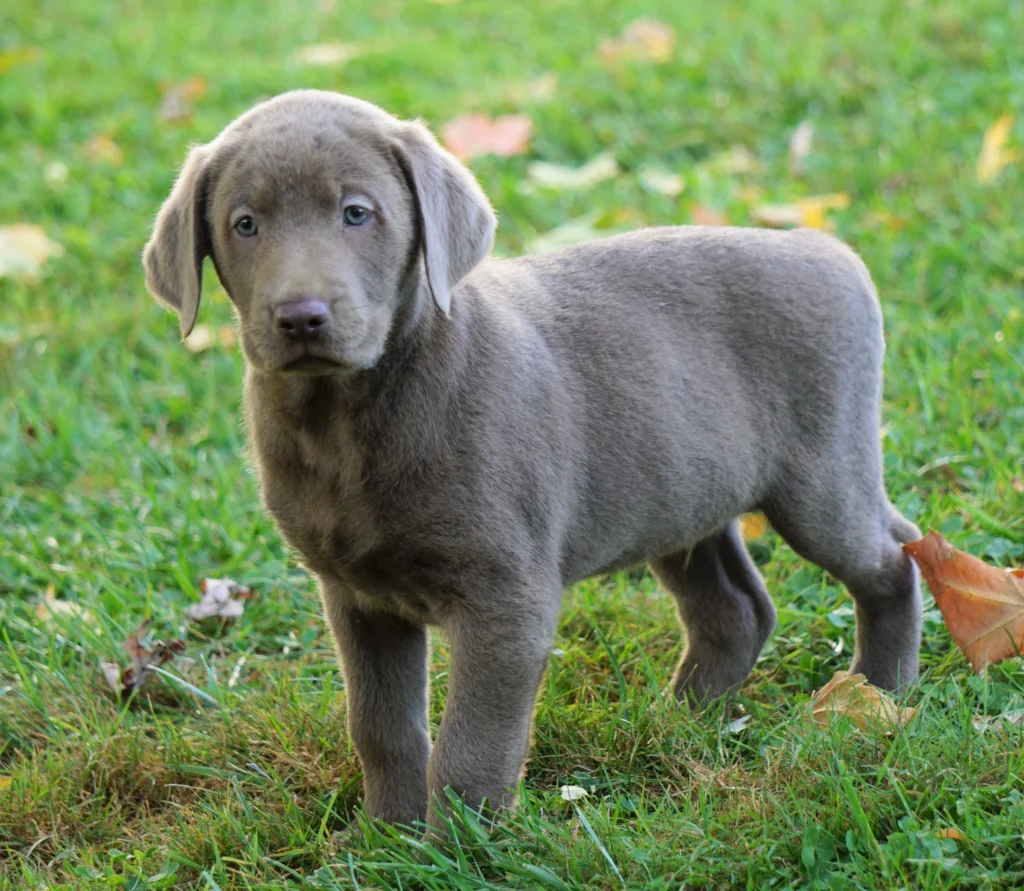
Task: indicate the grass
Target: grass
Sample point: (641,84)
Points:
(123,479)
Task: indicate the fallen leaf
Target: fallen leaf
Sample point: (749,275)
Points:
(753,526)
(327,55)
(559,177)
(222,598)
(664,182)
(739,724)
(983,722)
(50,606)
(179,98)
(800,147)
(1018,486)
(540,89)
(56,173)
(126,681)
(517,93)
(5,782)
(573,231)
(203,337)
(13,57)
(642,39)
(701,215)
(850,695)
(750,194)
(573,793)
(472,135)
(734,160)
(102,149)
(950,832)
(983,607)
(994,155)
(24,248)
(809,212)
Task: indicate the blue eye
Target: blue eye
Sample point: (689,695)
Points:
(246,227)
(356,215)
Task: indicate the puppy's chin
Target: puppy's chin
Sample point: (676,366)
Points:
(312,363)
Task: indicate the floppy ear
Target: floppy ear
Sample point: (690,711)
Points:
(174,255)
(456,222)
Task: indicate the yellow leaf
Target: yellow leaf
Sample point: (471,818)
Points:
(102,149)
(753,526)
(850,695)
(642,39)
(5,782)
(558,177)
(203,337)
(950,832)
(810,211)
(656,179)
(994,155)
(24,248)
(326,55)
(50,606)
(12,58)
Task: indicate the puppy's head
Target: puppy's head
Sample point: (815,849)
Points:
(328,221)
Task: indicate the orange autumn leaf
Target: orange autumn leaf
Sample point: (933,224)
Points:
(701,215)
(983,607)
(753,526)
(472,135)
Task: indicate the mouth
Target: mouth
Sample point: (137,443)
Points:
(310,364)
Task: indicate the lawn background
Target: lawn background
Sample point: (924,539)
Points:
(123,482)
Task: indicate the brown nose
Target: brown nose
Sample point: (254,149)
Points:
(302,319)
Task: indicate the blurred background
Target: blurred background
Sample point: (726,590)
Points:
(897,124)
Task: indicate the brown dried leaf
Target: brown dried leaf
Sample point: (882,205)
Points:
(179,98)
(24,248)
(983,607)
(994,155)
(642,39)
(126,681)
(472,135)
(950,832)
(222,598)
(850,695)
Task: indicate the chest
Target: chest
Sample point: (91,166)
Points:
(353,522)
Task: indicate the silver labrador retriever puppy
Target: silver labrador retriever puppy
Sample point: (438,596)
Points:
(451,441)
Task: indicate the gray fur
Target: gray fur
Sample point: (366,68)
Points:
(480,434)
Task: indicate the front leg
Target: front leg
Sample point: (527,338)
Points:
(384,659)
(498,655)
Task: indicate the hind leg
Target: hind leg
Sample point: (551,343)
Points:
(724,608)
(857,539)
